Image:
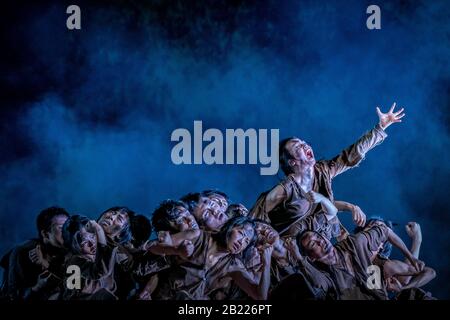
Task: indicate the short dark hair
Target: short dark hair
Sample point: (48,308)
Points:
(71,232)
(191,200)
(45,217)
(234,210)
(225,231)
(211,192)
(165,213)
(285,156)
(141,229)
(125,234)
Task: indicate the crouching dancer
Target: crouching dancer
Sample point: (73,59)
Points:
(34,269)
(210,261)
(347,262)
(90,254)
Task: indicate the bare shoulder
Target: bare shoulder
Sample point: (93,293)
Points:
(275,196)
(277,193)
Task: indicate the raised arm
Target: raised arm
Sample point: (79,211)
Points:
(354,154)
(414,232)
(398,242)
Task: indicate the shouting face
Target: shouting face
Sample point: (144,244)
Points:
(301,153)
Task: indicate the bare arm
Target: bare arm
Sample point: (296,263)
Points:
(407,275)
(274,197)
(358,216)
(343,205)
(256,291)
(328,206)
(421,279)
(179,244)
(414,232)
(398,242)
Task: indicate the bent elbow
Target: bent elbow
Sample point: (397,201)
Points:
(431,272)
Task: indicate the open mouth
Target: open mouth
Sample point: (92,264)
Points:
(309,154)
(236,247)
(105,222)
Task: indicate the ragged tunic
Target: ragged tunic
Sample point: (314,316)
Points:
(134,267)
(315,284)
(295,206)
(354,255)
(194,279)
(97,277)
(232,291)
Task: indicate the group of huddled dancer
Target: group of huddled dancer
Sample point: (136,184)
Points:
(289,246)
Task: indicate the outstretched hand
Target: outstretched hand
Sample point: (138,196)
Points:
(386,119)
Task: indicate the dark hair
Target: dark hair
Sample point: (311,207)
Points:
(165,214)
(141,229)
(224,234)
(234,210)
(285,156)
(125,234)
(71,232)
(45,217)
(208,193)
(191,200)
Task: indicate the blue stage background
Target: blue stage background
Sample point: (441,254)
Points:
(87,115)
